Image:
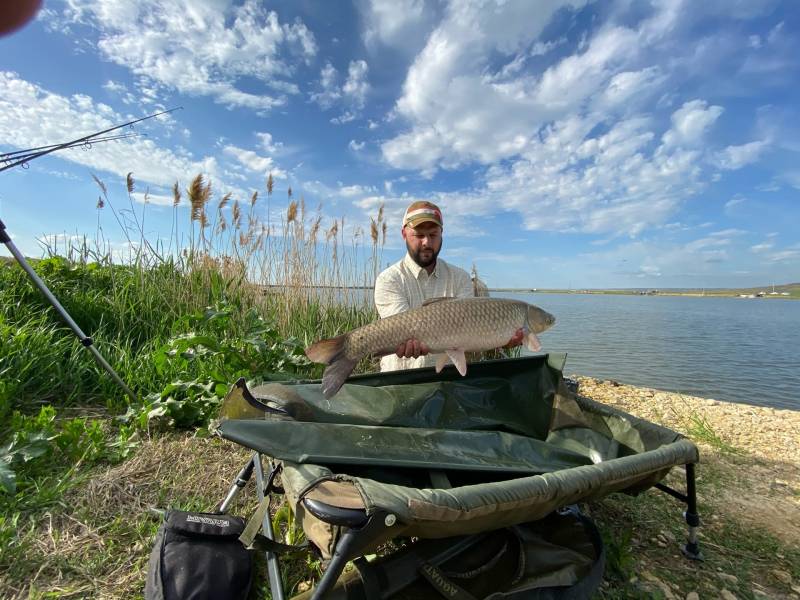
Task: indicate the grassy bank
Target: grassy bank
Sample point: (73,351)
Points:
(81,465)
(179,320)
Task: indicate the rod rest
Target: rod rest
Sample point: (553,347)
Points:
(343,517)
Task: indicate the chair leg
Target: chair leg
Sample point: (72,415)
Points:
(341,554)
(352,544)
(273,567)
(691,549)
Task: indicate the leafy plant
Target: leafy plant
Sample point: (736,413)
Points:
(619,557)
(213,354)
(42,442)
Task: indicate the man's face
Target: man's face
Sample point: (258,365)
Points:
(423,242)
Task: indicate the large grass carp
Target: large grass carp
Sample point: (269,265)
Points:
(448,326)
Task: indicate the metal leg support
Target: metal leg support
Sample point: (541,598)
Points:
(692,548)
(341,554)
(238,485)
(273,567)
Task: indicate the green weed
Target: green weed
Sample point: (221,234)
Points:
(700,430)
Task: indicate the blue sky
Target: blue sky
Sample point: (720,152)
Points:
(569,143)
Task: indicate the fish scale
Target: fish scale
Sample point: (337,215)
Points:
(446,325)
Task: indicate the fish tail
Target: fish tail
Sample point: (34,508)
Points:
(331,352)
(335,374)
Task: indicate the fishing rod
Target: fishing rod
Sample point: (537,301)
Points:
(7,157)
(78,141)
(22,157)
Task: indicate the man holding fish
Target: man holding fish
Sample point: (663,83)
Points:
(426,306)
(419,276)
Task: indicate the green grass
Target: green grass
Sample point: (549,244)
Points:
(179,322)
(700,430)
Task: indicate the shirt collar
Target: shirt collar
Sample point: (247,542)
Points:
(416,270)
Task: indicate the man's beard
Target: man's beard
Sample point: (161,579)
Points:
(423,258)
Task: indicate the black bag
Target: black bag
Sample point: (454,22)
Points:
(198,556)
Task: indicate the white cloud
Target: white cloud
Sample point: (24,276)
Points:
(268,143)
(252,161)
(351,95)
(329,91)
(157,199)
(573,179)
(352,191)
(401,24)
(791,255)
(345,117)
(736,157)
(355,146)
(200,48)
(733,203)
(759,248)
(691,122)
(32,116)
(459,109)
(356,87)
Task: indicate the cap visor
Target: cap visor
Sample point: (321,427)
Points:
(414,222)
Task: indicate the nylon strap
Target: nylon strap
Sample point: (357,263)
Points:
(442,584)
(253,540)
(254,524)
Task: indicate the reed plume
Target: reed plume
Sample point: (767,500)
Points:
(176,194)
(100,184)
(129,182)
(199,192)
(373,230)
(237,215)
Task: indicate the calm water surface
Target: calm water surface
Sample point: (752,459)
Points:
(736,349)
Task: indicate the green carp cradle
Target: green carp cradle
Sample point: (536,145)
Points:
(448,326)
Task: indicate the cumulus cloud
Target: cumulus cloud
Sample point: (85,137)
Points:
(252,161)
(268,143)
(328,92)
(33,116)
(200,48)
(691,122)
(582,143)
(351,95)
(356,86)
(400,24)
(736,157)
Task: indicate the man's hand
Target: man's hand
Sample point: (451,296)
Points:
(516,340)
(412,348)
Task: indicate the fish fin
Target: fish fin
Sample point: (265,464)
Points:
(331,352)
(434,300)
(459,360)
(335,374)
(441,361)
(325,351)
(532,342)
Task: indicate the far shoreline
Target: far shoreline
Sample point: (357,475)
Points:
(686,294)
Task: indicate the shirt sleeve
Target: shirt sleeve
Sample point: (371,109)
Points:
(389,296)
(463,287)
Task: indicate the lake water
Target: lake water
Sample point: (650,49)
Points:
(736,349)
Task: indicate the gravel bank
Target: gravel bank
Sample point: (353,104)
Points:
(755,449)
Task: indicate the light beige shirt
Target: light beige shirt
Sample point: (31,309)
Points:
(406,285)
